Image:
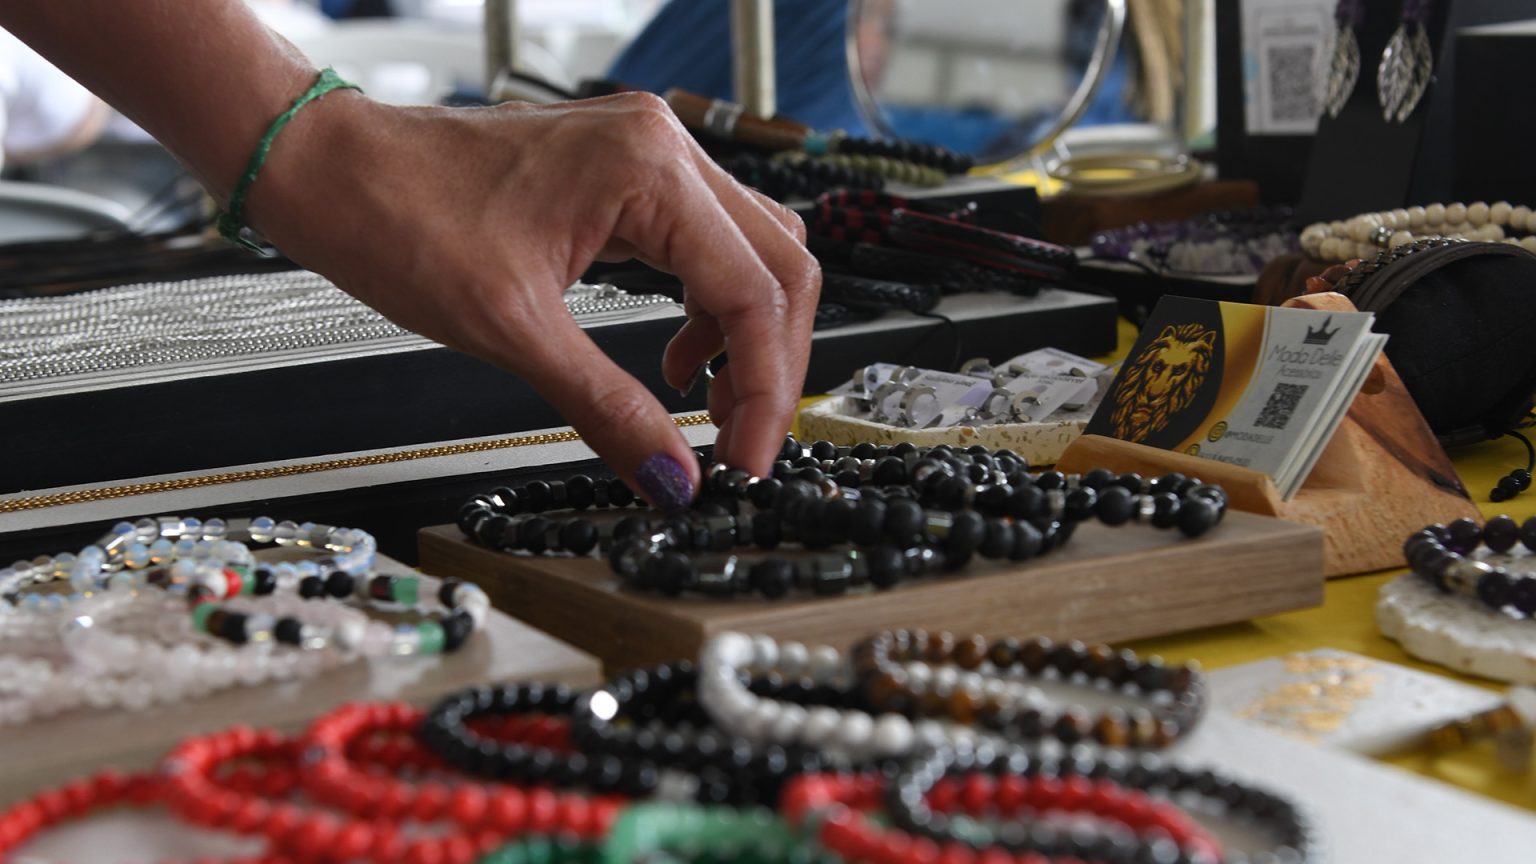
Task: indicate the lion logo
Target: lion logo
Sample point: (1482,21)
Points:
(1162,380)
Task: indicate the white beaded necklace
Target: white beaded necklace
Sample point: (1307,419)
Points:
(1366,235)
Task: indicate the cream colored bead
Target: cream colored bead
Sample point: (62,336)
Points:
(1512,241)
(1312,238)
(1456,212)
(1416,216)
(1528,242)
(1338,228)
(1359,229)
(1400,238)
(1518,217)
(1367,251)
(1492,233)
(1434,214)
(1477,213)
(1498,214)
(1530,222)
(1329,249)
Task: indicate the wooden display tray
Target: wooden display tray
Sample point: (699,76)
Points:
(1106,584)
(56,749)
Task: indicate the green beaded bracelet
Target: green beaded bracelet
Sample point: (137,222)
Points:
(232,221)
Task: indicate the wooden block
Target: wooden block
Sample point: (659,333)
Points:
(72,745)
(1106,584)
(1380,478)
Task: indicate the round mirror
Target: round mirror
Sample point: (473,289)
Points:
(999,80)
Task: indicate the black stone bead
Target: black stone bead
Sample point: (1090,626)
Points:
(470,516)
(772,577)
(507,499)
(288,631)
(1501,533)
(1165,510)
(992,499)
(675,574)
(311,587)
(824,450)
(890,471)
(630,527)
(578,536)
(579,491)
(265,581)
(1028,502)
(1465,535)
(1528,534)
(866,521)
(811,475)
(902,448)
(1522,596)
(619,495)
(1131,481)
(1171,483)
(847,479)
(1197,516)
(457,629)
(952,493)
(885,566)
(863,450)
(1098,478)
(1049,480)
(1027,541)
(1080,504)
(533,535)
(763,492)
(231,627)
(1494,589)
(339,584)
(1115,506)
(559,498)
(998,541)
(965,537)
(490,531)
(765,529)
(838,517)
(536,496)
(903,521)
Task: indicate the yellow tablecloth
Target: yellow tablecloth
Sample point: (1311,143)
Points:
(1346,621)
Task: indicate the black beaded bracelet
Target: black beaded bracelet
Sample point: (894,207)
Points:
(1442,556)
(650,716)
(906,802)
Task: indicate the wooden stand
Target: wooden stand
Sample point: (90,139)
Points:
(1106,584)
(1382,477)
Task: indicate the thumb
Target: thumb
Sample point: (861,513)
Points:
(614,413)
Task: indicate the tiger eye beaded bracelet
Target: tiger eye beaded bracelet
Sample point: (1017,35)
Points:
(901,671)
(1442,555)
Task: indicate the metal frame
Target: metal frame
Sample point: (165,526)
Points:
(1098,66)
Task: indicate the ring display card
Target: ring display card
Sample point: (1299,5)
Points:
(1344,700)
(1260,387)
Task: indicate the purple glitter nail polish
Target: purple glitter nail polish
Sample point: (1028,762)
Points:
(665,484)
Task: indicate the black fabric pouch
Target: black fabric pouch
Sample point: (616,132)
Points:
(1462,322)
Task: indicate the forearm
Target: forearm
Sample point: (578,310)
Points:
(205,77)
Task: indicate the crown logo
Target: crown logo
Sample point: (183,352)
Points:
(1322,334)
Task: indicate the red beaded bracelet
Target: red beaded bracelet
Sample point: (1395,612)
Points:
(840,802)
(74,800)
(331,777)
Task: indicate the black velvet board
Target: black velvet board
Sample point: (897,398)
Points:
(1359,162)
(314,410)
(392,513)
(310,410)
(1493,132)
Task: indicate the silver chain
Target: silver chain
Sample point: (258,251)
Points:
(217,318)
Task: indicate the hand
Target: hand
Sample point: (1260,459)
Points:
(465,225)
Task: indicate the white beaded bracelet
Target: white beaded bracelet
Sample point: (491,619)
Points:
(1367,234)
(851,734)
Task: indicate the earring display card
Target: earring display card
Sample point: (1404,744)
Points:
(1344,700)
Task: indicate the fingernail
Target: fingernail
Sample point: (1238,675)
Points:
(693,381)
(665,484)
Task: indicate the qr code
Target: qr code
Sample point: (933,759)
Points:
(1281,405)
(1292,83)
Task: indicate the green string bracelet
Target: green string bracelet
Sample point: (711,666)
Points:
(232,221)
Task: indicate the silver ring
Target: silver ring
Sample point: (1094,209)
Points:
(904,374)
(721,116)
(909,402)
(978,367)
(878,399)
(1017,404)
(985,410)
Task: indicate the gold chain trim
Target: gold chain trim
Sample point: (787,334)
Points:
(128,490)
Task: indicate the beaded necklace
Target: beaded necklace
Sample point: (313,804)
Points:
(1365,235)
